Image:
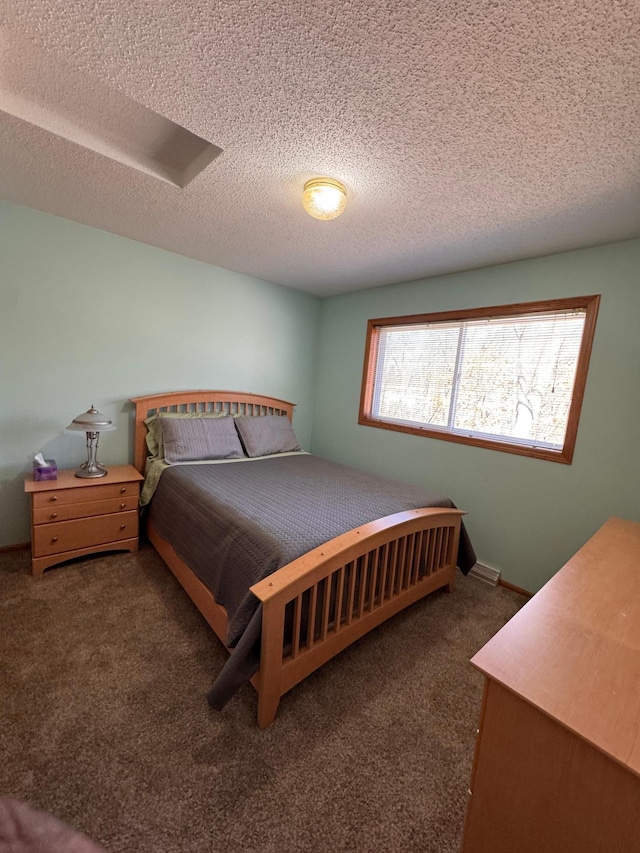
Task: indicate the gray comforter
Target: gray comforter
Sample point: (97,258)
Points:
(234,524)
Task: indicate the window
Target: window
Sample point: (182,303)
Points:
(509,378)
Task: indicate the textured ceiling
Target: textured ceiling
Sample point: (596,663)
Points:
(467,132)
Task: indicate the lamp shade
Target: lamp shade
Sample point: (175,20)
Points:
(92,421)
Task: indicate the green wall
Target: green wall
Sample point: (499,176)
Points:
(526,516)
(88,317)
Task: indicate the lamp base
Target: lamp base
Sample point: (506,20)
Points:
(88,473)
(92,468)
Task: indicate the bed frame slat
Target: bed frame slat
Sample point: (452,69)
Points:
(374,579)
(297,619)
(311,629)
(339,600)
(351,568)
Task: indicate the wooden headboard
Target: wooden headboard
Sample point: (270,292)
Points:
(232,402)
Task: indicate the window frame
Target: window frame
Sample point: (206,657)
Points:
(590,304)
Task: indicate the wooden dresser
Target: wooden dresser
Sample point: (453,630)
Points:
(557,762)
(72,517)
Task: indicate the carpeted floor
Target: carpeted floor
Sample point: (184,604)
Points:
(104,722)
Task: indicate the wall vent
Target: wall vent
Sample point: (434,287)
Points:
(485,573)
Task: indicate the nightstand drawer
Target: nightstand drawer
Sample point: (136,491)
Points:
(59,497)
(63,513)
(83,532)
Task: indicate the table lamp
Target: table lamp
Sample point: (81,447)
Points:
(92,423)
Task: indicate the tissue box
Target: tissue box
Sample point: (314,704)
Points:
(49,472)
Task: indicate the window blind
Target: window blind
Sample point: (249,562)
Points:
(503,378)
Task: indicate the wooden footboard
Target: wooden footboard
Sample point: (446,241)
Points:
(346,588)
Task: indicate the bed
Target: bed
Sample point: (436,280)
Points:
(283,584)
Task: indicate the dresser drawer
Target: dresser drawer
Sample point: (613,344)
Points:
(83,532)
(65,497)
(64,512)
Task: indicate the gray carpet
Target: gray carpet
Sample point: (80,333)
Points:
(104,668)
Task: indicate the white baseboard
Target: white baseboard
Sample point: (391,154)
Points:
(485,573)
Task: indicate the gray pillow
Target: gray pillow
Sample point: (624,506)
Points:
(195,439)
(154,427)
(266,434)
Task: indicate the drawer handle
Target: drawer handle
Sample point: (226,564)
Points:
(54,538)
(53,499)
(123,490)
(53,515)
(123,506)
(122,526)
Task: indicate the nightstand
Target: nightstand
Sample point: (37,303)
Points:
(71,517)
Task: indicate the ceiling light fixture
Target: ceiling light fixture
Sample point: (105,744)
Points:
(324,198)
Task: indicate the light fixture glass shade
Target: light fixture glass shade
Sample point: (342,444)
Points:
(92,423)
(324,198)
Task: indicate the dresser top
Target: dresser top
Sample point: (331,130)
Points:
(68,479)
(573,650)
